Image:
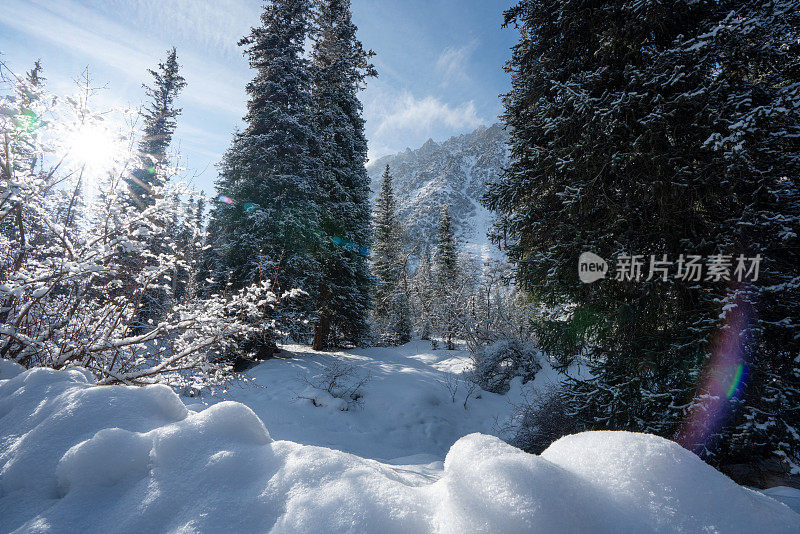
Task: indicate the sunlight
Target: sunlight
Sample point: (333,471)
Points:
(95,147)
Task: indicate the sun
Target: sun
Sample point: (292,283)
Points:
(96,147)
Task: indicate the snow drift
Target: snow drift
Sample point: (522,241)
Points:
(76,457)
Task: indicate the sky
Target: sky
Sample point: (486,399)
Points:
(439,63)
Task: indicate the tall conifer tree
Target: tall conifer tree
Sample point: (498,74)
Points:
(392,310)
(447,278)
(446,257)
(265,224)
(654,128)
(341,67)
(160,119)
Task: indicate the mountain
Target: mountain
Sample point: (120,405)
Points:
(456,172)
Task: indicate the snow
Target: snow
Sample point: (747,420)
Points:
(406,408)
(77,457)
(455,171)
(788,496)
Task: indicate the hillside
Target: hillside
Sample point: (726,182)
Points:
(456,172)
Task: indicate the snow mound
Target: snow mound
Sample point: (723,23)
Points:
(670,488)
(788,496)
(76,457)
(107,458)
(9,369)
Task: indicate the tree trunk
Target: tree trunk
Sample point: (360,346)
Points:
(321,331)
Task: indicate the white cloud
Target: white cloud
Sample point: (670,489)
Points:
(93,35)
(410,113)
(214,27)
(396,121)
(452,63)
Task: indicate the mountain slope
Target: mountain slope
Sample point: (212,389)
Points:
(455,172)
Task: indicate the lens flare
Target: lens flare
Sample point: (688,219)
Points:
(722,382)
(226,200)
(30,121)
(352,246)
(96,147)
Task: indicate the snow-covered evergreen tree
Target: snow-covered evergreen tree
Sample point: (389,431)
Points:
(34,76)
(655,128)
(30,95)
(423,294)
(341,66)
(159,116)
(150,174)
(266,224)
(189,244)
(392,311)
(447,279)
(446,257)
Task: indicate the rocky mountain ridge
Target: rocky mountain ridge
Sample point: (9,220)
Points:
(455,172)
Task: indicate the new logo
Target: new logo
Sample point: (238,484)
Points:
(591,267)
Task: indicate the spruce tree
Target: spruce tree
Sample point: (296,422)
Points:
(159,122)
(198,273)
(341,66)
(424,294)
(32,91)
(30,96)
(266,225)
(446,258)
(391,309)
(160,119)
(34,76)
(656,128)
(188,241)
(446,272)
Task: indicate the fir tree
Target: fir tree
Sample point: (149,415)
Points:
(34,76)
(189,244)
(159,122)
(657,128)
(447,279)
(392,312)
(33,91)
(446,258)
(30,95)
(269,228)
(424,295)
(341,66)
(159,117)
(198,273)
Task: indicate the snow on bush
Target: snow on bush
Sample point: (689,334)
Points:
(503,359)
(89,279)
(76,457)
(540,419)
(339,385)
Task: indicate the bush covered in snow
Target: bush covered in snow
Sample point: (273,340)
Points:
(339,384)
(503,359)
(82,458)
(539,420)
(89,277)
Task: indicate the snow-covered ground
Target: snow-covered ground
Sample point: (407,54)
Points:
(75,457)
(406,409)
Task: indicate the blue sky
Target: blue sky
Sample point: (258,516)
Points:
(440,63)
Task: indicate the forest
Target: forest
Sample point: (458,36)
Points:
(296,352)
